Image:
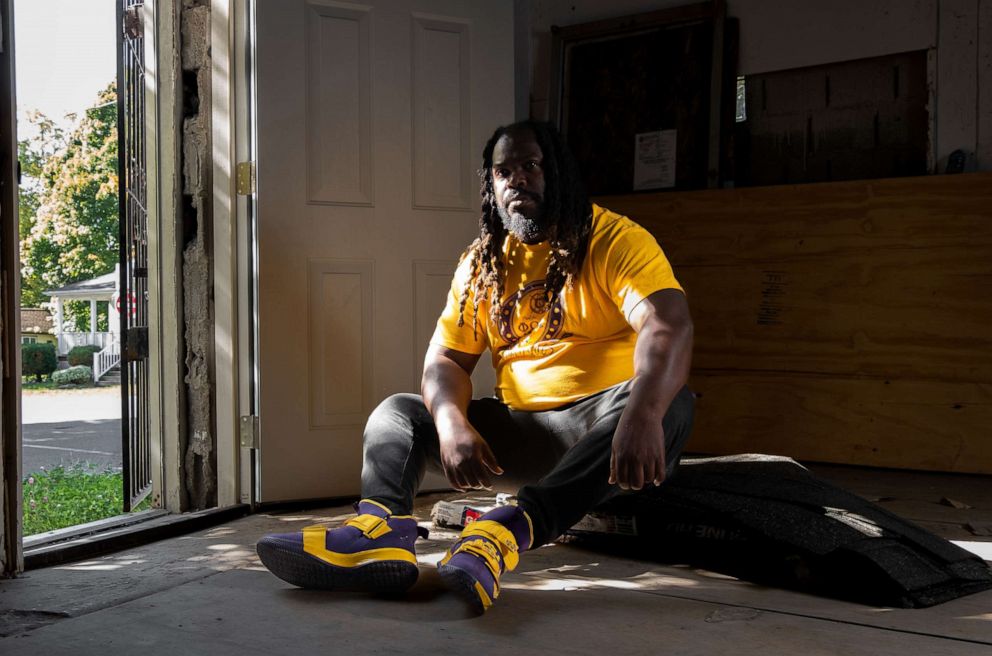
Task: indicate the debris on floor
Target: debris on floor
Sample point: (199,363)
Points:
(980,528)
(953,503)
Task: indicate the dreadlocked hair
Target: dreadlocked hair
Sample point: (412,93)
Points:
(567,209)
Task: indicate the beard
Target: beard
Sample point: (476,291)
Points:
(526,229)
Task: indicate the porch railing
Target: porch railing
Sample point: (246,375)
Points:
(105,360)
(68,341)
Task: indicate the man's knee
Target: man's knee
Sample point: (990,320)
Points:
(678,426)
(682,411)
(398,412)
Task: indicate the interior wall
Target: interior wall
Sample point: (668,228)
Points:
(783,34)
(837,322)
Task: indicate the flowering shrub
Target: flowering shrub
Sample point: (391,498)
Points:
(73,376)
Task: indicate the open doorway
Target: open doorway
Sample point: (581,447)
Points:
(76,297)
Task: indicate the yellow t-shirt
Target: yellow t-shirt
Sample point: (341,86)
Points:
(583,344)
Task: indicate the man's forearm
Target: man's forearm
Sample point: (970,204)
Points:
(661,367)
(447,391)
(662,358)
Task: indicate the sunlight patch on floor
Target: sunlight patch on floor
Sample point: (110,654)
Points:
(981,549)
(100,565)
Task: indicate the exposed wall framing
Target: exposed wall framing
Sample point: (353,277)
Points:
(199,446)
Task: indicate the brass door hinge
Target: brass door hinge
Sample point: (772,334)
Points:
(249,431)
(246,178)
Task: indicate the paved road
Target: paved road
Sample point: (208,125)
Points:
(71,427)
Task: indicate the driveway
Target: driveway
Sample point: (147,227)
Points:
(66,427)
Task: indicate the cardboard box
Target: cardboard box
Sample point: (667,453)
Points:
(458,513)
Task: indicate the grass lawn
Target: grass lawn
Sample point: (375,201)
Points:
(46,386)
(62,497)
(30,384)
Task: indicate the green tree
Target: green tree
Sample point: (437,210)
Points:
(73,233)
(32,153)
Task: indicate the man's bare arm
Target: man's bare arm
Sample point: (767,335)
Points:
(447,383)
(662,358)
(447,390)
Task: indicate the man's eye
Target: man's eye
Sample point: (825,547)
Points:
(531,165)
(501,173)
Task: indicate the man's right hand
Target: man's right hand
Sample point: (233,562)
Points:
(447,388)
(467,459)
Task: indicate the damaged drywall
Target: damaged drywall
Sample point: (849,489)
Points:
(199,446)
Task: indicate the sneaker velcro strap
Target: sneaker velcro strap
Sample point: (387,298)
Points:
(371,526)
(490,555)
(500,535)
(488,551)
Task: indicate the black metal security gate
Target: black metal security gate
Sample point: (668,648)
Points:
(133,295)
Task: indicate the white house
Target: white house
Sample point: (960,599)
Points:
(101,288)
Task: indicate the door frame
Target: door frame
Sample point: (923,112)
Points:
(232,130)
(165,330)
(163,122)
(230,134)
(11,552)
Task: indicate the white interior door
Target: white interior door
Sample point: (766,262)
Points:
(371,121)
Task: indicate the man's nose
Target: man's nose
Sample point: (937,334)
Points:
(518,179)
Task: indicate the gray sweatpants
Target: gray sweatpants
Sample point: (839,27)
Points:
(556,462)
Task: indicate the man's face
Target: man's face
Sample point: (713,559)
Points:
(518,182)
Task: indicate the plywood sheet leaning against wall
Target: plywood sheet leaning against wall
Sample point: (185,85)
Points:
(840,322)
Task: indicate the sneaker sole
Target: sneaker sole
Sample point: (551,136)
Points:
(305,571)
(463,585)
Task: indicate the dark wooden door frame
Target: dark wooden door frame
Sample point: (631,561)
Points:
(10,301)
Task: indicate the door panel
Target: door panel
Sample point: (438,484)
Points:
(339,98)
(371,121)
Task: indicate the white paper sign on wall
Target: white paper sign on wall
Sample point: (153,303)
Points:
(654,160)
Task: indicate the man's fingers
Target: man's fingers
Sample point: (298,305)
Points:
(613,468)
(457,479)
(474,475)
(659,472)
(448,474)
(482,478)
(623,476)
(650,472)
(636,479)
(489,460)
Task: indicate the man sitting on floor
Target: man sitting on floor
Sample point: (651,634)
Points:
(591,339)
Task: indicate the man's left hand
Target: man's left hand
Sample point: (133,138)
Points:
(661,366)
(638,456)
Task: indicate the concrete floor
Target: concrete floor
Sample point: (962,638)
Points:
(206,593)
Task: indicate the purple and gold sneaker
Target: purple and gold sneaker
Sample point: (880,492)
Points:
(372,552)
(488,547)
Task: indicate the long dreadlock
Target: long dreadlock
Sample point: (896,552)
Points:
(567,209)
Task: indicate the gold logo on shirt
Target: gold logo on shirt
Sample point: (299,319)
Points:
(525,318)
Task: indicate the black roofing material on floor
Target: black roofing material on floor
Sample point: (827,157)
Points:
(767,519)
